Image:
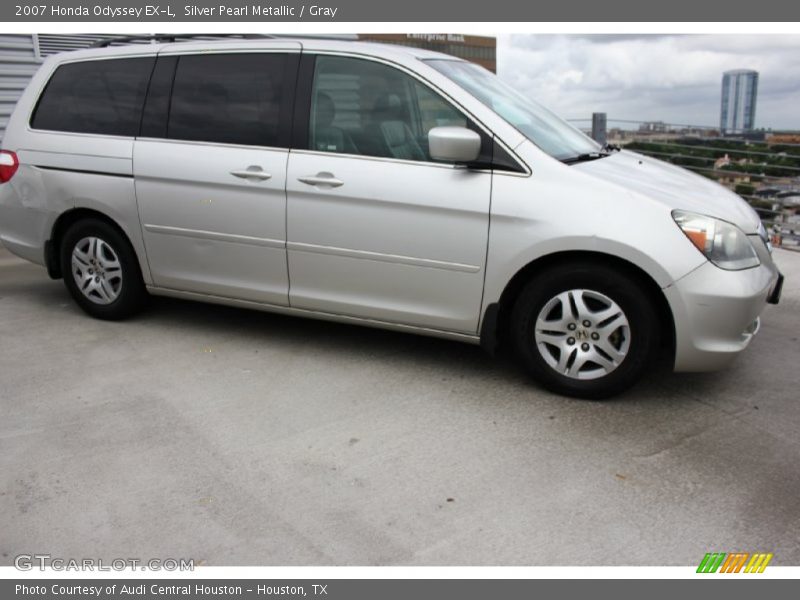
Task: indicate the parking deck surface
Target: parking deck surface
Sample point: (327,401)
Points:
(242,438)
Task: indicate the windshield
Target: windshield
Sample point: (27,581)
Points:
(548,131)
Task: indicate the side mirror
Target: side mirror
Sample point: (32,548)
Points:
(454,144)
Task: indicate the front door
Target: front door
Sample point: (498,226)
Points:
(376,228)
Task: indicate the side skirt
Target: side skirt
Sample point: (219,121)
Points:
(314,314)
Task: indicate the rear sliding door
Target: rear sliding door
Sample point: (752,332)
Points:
(210,173)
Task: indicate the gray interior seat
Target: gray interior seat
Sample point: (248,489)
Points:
(326,136)
(391,131)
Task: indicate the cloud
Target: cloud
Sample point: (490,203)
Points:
(673,78)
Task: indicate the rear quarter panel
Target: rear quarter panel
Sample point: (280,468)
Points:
(61,171)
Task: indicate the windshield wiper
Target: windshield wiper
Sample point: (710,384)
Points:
(602,153)
(585,157)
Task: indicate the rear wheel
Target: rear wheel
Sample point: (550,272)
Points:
(101,271)
(585,330)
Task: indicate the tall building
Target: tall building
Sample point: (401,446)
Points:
(738,110)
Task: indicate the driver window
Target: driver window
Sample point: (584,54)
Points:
(368,108)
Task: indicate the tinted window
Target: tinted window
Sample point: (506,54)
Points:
(365,107)
(99,96)
(156,107)
(228,98)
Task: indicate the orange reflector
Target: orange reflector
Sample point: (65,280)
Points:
(698,238)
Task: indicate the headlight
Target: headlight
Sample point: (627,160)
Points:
(722,243)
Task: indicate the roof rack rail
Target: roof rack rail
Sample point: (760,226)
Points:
(174,37)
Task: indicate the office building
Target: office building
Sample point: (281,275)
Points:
(738,109)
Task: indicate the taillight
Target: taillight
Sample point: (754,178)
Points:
(9,163)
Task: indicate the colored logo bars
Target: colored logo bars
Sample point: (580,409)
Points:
(734,562)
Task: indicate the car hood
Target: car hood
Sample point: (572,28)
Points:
(673,186)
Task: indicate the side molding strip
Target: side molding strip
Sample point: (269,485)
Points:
(377,256)
(213,235)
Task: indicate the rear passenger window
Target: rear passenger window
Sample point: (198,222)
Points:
(98,96)
(228,98)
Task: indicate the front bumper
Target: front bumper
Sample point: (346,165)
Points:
(716,312)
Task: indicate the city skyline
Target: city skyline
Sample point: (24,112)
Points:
(670,78)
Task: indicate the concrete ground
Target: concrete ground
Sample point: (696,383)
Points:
(242,438)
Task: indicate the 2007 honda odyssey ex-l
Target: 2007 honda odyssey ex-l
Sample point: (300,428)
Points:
(379,185)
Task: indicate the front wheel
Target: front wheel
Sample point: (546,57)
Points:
(101,271)
(585,330)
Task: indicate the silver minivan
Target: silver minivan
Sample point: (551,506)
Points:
(375,185)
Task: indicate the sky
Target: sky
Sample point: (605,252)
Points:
(671,78)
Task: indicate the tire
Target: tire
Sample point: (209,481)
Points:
(585,330)
(101,270)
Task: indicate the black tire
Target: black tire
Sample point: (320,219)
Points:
(130,294)
(636,304)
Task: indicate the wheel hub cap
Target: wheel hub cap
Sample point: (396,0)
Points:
(96,270)
(582,334)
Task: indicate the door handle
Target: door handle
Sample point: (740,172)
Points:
(252,173)
(322,178)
